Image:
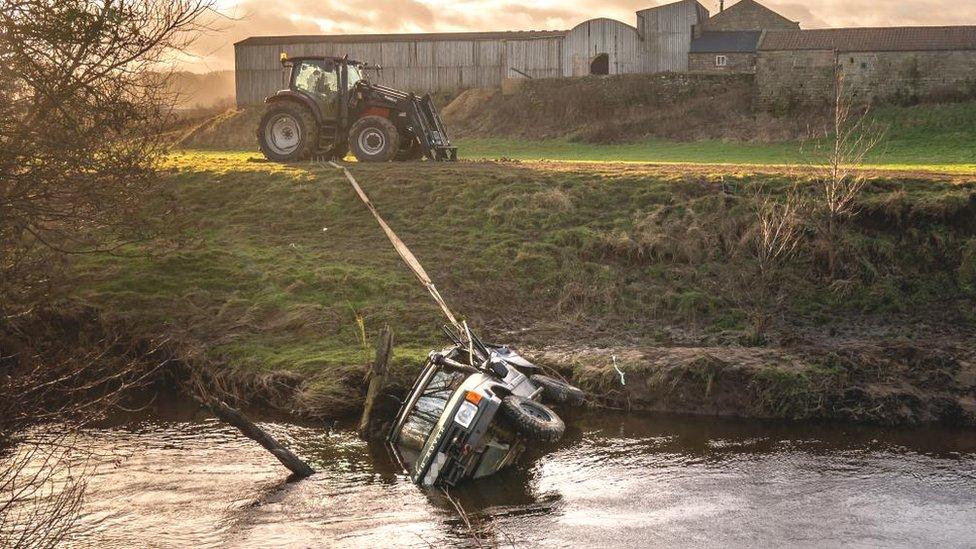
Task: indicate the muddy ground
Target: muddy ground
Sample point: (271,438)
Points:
(876,382)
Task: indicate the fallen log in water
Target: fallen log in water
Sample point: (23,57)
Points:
(255,433)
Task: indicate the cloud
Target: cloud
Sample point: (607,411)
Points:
(243,18)
(873,13)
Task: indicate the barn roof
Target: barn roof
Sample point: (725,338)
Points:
(726,42)
(747,5)
(873,39)
(415,37)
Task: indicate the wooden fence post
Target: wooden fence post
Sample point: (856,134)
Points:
(377,380)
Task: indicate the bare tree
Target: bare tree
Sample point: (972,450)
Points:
(775,237)
(81,109)
(62,383)
(851,138)
(41,491)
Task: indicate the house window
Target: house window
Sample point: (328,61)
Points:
(721,60)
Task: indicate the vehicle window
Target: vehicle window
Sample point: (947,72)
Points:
(354,75)
(428,410)
(316,77)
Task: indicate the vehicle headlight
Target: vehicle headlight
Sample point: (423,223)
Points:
(465,414)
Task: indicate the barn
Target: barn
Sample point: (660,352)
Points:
(660,41)
(792,66)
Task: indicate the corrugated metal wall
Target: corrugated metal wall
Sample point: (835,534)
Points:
(660,42)
(666,32)
(419,66)
(591,38)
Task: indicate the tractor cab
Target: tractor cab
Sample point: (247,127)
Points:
(318,79)
(330,108)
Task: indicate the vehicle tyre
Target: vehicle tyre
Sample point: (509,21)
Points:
(287,132)
(558,390)
(412,150)
(533,419)
(374,139)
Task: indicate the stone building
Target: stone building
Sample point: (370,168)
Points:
(728,41)
(903,64)
(724,51)
(746,15)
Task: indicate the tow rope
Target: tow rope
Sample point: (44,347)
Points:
(405,253)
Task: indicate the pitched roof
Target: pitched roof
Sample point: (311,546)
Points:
(415,37)
(726,42)
(873,39)
(747,5)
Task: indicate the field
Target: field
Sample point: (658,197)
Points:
(279,274)
(924,138)
(935,138)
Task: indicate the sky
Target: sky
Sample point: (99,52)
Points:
(239,19)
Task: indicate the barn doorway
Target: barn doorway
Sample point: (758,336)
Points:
(600,64)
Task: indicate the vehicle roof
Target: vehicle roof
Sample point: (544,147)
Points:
(323,58)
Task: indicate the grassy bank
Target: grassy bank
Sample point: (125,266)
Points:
(939,138)
(282,274)
(923,138)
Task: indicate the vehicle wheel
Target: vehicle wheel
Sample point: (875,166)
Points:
(533,419)
(413,151)
(287,132)
(558,390)
(374,139)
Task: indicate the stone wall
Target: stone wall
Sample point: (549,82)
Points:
(791,78)
(908,76)
(735,63)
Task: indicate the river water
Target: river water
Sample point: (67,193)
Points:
(176,479)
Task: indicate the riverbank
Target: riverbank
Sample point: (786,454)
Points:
(894,382)
(279,282)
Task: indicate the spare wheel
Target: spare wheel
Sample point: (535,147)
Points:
(533,419)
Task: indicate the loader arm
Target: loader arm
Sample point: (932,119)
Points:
(428,127)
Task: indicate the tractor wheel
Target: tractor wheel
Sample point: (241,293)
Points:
(374,139)
(287,132)
(412,150)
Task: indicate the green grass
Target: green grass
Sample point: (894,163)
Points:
(277,263)
(938,138)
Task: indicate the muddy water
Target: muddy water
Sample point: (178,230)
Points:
(178,479)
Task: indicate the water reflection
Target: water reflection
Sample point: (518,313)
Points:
(178,478)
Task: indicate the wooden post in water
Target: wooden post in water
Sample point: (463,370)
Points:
(377,380)
(255,433)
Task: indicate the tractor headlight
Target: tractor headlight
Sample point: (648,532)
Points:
(465,414)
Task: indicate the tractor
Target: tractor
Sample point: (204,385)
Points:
(330,107)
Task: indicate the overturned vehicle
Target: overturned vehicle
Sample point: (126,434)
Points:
(472,411)
(474,406)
